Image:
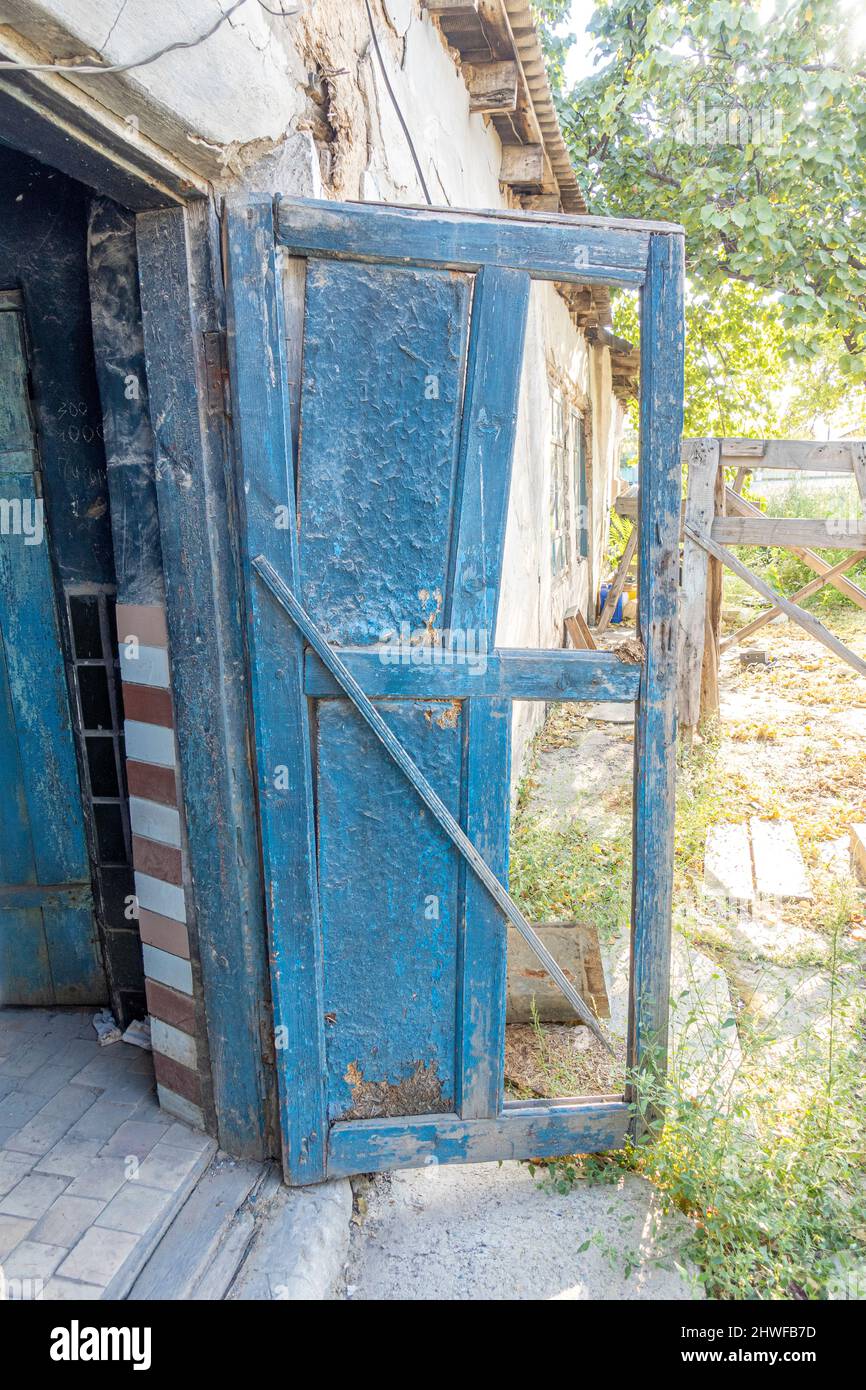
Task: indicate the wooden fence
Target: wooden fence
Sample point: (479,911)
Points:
(716,516)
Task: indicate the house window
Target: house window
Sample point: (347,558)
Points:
(560,490)
(578,459)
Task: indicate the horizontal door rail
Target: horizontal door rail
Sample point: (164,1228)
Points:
(433,673)
(568,250)
(288,602)
(16,897)
(532,1131)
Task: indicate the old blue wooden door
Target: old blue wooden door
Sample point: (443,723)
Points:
(49,952)
(375,359)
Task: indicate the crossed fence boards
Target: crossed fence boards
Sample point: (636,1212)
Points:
(714,517)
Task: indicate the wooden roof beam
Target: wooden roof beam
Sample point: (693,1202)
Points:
(522,166)
(452,9)
(491,86)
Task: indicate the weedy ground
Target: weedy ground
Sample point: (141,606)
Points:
(766,1151)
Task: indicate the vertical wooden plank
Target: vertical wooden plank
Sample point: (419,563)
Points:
(700,503)
(497,336)
(661,415)
(118,352)
(16,427)
(858,461)
(710,699)
(483,960)
(487,445)
(618,584)
(178,252)
(263,432)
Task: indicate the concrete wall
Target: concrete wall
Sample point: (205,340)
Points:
(297,104)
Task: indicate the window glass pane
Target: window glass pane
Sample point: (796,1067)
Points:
(103,770)
(84,611)
(109,834)
(559,489)
(95,704)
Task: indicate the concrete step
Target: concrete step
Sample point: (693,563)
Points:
(300,1246)
(205,1245)
(728,863)
(779,868)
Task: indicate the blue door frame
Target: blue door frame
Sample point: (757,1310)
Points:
(375,355)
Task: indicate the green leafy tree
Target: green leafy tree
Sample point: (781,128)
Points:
(749,128)
(740,377)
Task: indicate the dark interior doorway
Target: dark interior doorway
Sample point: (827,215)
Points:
(67,930)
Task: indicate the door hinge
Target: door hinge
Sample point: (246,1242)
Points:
(216,373)
(268,1041)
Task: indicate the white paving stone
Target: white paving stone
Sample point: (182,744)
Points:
(13,1167)
(166,1167)
(728,863)
(135,1208)
(32,1196)
(32,1259)
(70,1290)
(100,1179)
(13,1229)
(70,1157)
(66,1220)
(779,868)
(98,1256)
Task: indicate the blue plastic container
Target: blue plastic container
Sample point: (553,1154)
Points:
(617,612)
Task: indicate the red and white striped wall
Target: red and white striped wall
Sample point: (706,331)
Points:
(159,860)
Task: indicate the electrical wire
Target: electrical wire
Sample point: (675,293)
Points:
(94,69)
(396,104)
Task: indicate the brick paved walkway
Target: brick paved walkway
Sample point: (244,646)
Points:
(91,1170)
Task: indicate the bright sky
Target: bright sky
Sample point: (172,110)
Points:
(580,58)
(579,62)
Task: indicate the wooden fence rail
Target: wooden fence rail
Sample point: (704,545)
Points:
(714,517)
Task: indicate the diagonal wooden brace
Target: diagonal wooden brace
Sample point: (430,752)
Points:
(326,653)
(806,620)
(819,582)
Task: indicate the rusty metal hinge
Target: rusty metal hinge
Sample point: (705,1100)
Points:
(216,373)
(268,1041)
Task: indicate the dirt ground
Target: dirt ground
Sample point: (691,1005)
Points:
(790,744)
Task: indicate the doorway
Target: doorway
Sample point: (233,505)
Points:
(67,935)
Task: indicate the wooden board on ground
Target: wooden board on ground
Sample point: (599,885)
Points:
(779,868)
(578,630)
(574,946)
(728,863)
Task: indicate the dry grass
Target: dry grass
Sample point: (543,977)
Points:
(559,1059)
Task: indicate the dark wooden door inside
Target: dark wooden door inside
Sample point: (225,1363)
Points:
(49,952)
